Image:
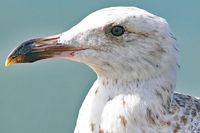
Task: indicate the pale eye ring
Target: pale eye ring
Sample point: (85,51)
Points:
(117,30)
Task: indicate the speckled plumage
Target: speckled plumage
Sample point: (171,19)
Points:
(136,78)
(134,91)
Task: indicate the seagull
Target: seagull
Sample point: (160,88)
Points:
(134,55)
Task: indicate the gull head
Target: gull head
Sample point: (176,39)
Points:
(116,42)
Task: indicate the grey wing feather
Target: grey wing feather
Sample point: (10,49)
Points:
(187,108)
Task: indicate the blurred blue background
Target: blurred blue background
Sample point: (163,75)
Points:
(44,97)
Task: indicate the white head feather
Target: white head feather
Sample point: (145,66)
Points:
(146,49)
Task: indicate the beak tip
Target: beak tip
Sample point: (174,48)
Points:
(13,60)
(8,62)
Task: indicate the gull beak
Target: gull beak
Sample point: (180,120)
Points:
(38,49)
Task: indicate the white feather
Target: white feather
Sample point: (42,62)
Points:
(134,92)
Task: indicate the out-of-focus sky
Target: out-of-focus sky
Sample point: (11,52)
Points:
(44,97)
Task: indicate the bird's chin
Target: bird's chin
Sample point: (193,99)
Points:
(71,55)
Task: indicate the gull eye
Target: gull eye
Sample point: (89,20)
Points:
(117,30)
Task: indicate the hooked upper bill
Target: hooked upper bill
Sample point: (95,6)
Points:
(37,49)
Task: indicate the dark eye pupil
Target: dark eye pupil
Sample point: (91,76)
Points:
(117,30)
